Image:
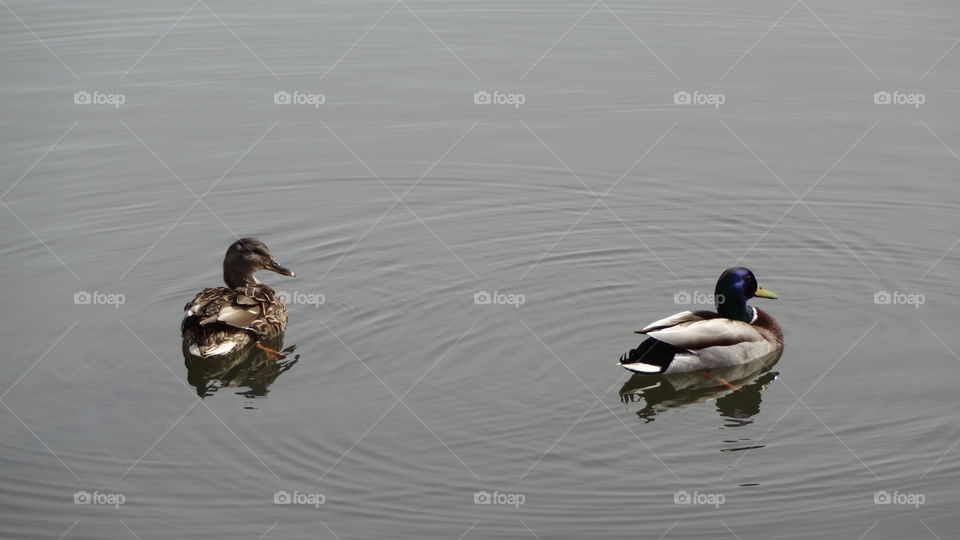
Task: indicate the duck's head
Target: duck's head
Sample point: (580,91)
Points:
(246,256)
(736,286)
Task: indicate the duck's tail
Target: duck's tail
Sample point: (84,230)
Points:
(214,340)
(650,357)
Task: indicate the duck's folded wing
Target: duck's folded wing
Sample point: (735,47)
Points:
(223,305)
(696,335)
(677,318)
(237,315)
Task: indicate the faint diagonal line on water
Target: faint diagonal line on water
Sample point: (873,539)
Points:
(929,529)
(559,39)
(359,238)
(954,154)
(179,179)
(761,161)
(327,527)
(727,527)
(597,399)
(242,42)
(951,351)
(840,158)
(37,236)
(399,198)
(270,528)
(24,424)
(129,529)
(598,199)
(199,400)
(639,159)
(800,199)
(559,238)
(642,42)
(941,57)
(70,528)
(556,442)
(160,438)
(842,42)
(757,41)
(462,536)
(39,159)
(870,528)
(398,399)
(666,532)
(358,40)
(442,42)
(37,361)
(38,38)
(159,39)
(815,415)
(199,200)
(798,400)
(527,527)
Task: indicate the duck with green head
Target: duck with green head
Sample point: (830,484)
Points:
(735,334)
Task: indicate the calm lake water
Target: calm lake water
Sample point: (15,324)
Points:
(405,157)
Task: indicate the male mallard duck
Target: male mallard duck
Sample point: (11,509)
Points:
(222,320)
(695,340)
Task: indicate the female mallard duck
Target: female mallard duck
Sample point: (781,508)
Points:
(221,320)
(695,340)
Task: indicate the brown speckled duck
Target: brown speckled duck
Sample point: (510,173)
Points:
(222,320)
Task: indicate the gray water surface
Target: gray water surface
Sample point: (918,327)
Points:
(588,193)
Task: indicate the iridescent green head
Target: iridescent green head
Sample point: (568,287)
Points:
(736,286)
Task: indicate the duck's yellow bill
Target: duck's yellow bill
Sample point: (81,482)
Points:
(763,293)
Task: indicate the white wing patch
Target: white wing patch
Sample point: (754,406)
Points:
(237,316)
(703,334)
(673,320)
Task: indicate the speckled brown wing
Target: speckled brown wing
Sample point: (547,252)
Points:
(272,317)
(220,320)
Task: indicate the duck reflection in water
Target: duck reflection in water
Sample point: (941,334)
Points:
(250,370)
(736,390)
